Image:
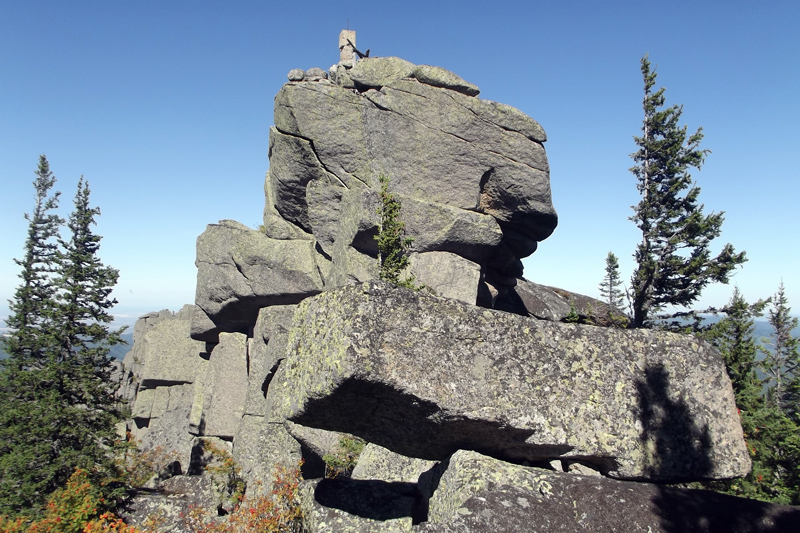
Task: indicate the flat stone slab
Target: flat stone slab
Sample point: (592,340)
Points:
(426,376)
(478,493)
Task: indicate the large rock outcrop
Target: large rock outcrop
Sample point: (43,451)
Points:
(425,376)
(481,409)
(472,176)
(240,270)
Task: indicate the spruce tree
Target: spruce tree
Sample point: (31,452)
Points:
(84,341)
(771,436)
(27,409)
(56,407)
(733,337)
(31,310)
(393,246)
(674,262)
(610,290)
(782,360)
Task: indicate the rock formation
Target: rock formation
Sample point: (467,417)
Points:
(482,409)
(472,176)
(425,376)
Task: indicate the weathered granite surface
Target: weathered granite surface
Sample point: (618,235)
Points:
(425,376)
(225,386)
(478,493)
(241,270)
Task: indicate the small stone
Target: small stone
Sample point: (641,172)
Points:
(296,74)
(316,74)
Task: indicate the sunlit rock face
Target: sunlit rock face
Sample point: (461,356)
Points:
(425,376)
(482,409)
(471,174)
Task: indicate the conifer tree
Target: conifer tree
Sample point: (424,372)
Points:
(26,410)
(393,246)
(31,310)
(771,435)
(84,340)
(674,263)
(782,360)
(733,337)
(610,290)
(56,407)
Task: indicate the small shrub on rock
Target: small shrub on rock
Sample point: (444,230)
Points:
(344,460)
(225,472)
(393,246)
(136,467)
(279,511)
(78,507)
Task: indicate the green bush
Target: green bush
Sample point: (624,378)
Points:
(343,461)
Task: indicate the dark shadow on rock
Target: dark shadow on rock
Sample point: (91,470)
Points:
(268,378)
(427,483)
(313,466)
(364,241)
(510,302)
(239,315)
(197,459)
(376,500)
(680,449)
(413,427)
(684,510)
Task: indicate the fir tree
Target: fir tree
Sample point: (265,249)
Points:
(84,340)
(782,361)
(56,407)
(610,290)
(31,310)
(769,433)
(26,410)
(674,263)
(733,336)
(393,246)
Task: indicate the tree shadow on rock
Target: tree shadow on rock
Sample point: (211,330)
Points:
(682,510)
(676,449)
(373,499)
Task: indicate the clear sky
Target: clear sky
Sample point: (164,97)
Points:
(165,107)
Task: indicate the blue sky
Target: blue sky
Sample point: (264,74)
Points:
(165,107)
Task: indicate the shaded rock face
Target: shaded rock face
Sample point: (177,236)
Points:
(240,270)
(189,390)
(478,493)
(425,376)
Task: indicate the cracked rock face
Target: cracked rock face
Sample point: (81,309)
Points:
(437,145)
(472,177)
(424,376)
(241,270)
